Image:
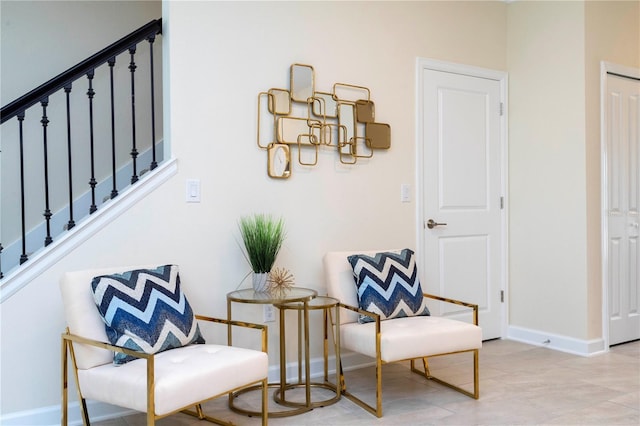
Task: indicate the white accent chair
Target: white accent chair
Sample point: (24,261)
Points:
(397,339)
(161,384)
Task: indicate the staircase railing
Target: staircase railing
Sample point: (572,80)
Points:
(112,121)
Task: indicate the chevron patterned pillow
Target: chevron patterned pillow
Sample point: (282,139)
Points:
(388,285)
(145,310)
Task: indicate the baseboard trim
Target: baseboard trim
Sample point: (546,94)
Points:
(350,361)
(556,342)
(98,411)
(51,416)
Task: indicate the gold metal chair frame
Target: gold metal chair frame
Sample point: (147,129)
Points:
(377,410)
(67,348)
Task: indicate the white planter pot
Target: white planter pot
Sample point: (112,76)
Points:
(260,281)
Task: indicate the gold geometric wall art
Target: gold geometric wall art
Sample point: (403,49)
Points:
(305,120)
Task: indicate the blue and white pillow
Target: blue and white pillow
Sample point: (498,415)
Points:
(145,310)
(388,285)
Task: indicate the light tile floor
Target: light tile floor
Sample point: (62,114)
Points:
(519,385)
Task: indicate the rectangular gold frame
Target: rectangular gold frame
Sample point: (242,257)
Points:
(274,169)
(353,88)
(284,132)
(302,83)
(379,135)
(270,101)
(327,104)
(278,105)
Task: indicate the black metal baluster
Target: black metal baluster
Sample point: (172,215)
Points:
(67,91)
(23,256)
(47,212)
(92,181)
(1,274)
(154,163)
(114,189)
(134,151)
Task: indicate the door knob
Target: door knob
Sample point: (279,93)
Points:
(432,224)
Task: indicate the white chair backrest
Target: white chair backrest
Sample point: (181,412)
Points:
(340,281)
(82,316)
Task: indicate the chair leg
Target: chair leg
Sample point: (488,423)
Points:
(375,410)
(199,412)
(378,387)
(425,365)
(151,419)
(476,376)
(67,348)
(64,419)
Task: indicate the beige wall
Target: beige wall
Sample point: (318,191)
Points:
(547,167)
(554,54)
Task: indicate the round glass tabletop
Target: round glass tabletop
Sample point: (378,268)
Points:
(275,296)
(318,302)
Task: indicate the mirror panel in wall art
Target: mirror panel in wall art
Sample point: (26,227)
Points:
(343,119)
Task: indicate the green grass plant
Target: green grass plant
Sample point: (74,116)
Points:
(262,236)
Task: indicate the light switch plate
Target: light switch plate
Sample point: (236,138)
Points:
(193,191)
(405,193)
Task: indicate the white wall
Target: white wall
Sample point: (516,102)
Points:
(222,56)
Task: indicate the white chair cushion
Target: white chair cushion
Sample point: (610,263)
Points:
(411,337)
(340,282)
(83,318)
(183,376)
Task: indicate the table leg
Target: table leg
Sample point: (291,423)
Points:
(307,368)
(300,347)
(283,356)
(229,324)
(336,342)
(325,343)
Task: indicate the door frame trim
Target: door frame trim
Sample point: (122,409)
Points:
(473,71)
(623,71)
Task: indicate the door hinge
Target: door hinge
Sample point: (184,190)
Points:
(501,296)
(501,203)
(501,109)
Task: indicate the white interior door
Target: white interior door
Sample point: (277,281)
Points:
(462,164)
(622,115)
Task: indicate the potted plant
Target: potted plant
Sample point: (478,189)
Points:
(262,236)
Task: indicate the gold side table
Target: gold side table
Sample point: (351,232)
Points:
(276,297)
(325,304)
